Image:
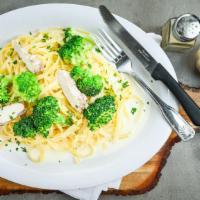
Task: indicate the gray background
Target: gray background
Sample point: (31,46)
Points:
(180,178)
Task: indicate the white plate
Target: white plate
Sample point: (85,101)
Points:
(108,166)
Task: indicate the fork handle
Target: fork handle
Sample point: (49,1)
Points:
(183,129)
(190,107)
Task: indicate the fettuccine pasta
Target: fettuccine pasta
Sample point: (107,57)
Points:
(77,139)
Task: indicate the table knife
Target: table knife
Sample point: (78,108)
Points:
(157,71)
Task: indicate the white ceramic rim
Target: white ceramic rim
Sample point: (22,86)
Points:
(118,167)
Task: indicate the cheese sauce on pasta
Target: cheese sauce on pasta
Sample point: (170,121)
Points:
(76,139)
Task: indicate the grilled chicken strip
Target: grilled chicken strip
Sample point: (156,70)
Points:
(10,112)
(32,62)
(77,99)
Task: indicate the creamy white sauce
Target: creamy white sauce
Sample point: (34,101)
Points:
(134,123)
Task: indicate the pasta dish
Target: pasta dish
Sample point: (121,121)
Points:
(58,92)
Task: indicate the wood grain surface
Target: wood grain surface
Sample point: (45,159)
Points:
(137,182)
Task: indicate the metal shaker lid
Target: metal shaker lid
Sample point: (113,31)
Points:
(186,27)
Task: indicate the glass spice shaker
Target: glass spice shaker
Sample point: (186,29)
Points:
(180,34)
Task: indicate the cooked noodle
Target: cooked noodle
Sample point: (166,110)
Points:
(77,139)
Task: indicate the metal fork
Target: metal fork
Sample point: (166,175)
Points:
(113,53)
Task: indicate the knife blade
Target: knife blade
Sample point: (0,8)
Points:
(157,71)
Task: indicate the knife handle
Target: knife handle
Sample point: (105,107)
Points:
(190,107)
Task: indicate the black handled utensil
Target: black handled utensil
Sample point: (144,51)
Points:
(157,71)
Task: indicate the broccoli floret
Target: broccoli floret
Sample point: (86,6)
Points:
(78,72)
(90,86)
(64,121)
(4,94)
(86,82)
(45,114)
(100,112)
(68,33)
(25,127)
(26,86)
(75,49)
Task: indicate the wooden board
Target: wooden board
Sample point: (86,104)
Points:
(138,182)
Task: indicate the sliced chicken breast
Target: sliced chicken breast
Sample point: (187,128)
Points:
(77,99)
(32,62)
(10,112)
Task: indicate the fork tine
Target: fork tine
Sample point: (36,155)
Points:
(109,44)
(100,44)
(105,46)
(112,42)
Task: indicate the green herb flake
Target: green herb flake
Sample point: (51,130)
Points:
(10,140)
(125,84)
(18,142)
(89,66)
(133,110)
(45,37)
(11,117)
(49,47)
(23,149)
(98,50)
(11,52)
(15,62)
(69,120)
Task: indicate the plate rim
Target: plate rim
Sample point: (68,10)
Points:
(15,177)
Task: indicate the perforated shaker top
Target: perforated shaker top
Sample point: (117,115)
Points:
(186,27)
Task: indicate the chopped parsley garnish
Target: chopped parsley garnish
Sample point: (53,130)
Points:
(98,50)
(45,37)
(69,120)
(18,142)
(125,84)
(89,66)
(11,117)
(133,110)
(11,52)
(23,149)
(10,140)
(15,62)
